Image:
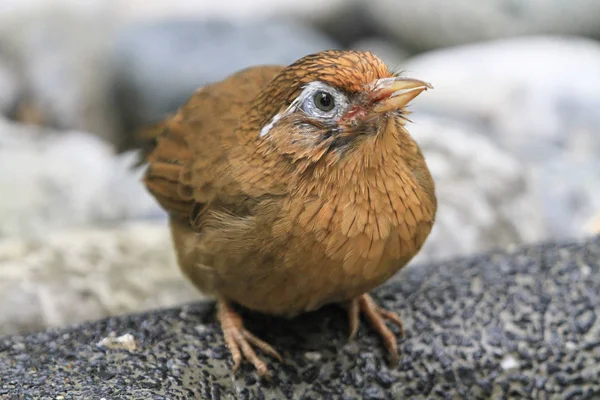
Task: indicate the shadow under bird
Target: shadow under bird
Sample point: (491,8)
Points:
(289,188)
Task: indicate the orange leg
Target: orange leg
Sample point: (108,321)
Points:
(377,317)
(240,341)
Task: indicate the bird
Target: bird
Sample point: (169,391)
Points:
(292,187)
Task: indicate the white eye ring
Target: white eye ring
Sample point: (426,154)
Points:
(306,103)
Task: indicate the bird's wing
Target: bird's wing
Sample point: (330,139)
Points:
(188,166)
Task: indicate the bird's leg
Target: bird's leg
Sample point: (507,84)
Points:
(240,341)
(377,317)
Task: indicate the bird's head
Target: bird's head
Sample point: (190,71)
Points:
(329,103)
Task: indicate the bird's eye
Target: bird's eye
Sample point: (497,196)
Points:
(320,101)
(324,101)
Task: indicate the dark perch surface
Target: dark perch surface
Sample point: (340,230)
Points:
(502,325)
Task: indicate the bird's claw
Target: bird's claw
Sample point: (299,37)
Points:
(377,317)
(240,341)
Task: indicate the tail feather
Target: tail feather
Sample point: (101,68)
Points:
(164,148)
(145,141)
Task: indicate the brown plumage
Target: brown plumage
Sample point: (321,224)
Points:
(294,187)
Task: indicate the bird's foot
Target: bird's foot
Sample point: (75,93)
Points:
(377,317)
(240,341)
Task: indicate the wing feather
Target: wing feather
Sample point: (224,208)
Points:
(188,167)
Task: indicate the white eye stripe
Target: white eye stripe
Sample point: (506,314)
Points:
(304,102)
(265,129)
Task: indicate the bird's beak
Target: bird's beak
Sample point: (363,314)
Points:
(394,93)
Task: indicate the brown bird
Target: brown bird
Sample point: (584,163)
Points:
(289,188)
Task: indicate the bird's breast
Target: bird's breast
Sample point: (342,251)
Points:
(341,230)
(325,249)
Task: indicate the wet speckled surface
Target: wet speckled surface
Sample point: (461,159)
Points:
(522,324)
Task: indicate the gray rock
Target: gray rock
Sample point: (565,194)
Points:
(349,24)
(426,24)
(593,225)
(61,179)
(64,68)
(73,276)
(503,325)
(159,65)
(538,95)
(9,87)
(229,9)
(486,195)
(537,98)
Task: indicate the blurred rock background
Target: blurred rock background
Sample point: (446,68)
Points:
(511,131)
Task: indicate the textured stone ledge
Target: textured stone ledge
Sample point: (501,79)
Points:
(521,324)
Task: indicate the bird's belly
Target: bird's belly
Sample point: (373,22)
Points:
(287,274)
(289,287)
(292,292)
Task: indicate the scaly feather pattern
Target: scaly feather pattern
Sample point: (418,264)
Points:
(311,212)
